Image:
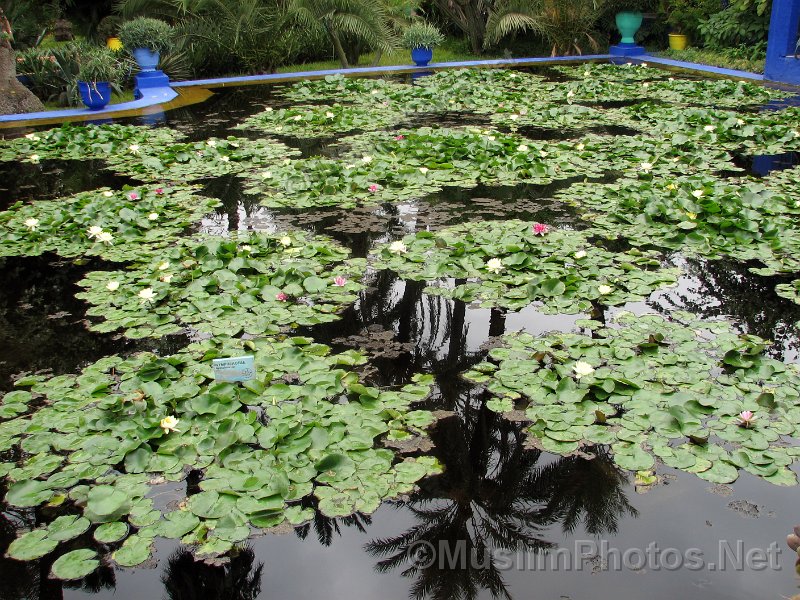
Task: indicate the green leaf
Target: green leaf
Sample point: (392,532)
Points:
(75,565)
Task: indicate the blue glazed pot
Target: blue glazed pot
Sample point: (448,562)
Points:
(628,23)
(146,59)
(421,56)
(95,95)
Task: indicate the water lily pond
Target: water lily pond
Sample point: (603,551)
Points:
(510,330)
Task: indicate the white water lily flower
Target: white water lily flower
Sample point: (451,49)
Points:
(147,295)
(570,93)
(522,148)
(234,144)
(169,424)
(671,79)
(108,194)
(366,159)
(134,148)
(543,154)
(34,158)
(582,369)
(646,166)
(698,193)
(163,266)
(491,138)
(514,117)
(740,122)
(247,248)
(32,136)
(224,158)
(423,170)
(278,127)
(580,147)
(329,114)
(398,247)
(605,290)
(152,217)
(646,84)
(373,92)
(32,223)
(285,241)
(268,109)
(494,265)
(112,286)
(580,254)
(94,231)
(166,278)
(266,175)
(643,65)
(105,237)
(709,128)
(211,143)
(297,118)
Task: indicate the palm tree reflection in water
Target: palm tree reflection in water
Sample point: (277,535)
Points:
(494,502)
(185,578)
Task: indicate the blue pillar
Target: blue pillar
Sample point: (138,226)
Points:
(782,41)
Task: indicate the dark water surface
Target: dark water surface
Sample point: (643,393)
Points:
(503,520)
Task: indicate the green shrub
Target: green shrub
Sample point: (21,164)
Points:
(99,64)
(108,27)
(422,35)
(685,16)
(144,32)
(734,27)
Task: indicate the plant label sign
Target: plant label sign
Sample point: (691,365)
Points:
(240,368)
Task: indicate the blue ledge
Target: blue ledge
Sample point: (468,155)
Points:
(150,97)
(222,81)
(703,68)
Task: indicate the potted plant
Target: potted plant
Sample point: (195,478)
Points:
(421,38)
(146,39)
(684,17)
(98,75)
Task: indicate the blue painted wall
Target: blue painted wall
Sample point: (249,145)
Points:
(782,41)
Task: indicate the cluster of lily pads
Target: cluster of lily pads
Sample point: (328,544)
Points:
(99,443)
(693,395)
(253,283)
(513,264)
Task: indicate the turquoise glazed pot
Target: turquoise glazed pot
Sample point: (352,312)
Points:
(628,23)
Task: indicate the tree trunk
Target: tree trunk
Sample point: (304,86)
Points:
(470,17)
(337,46)
(15,98)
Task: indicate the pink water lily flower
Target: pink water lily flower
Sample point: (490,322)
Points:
(159,191)
(281,297)
(746,418)
(540,228)
(373,188)
(133,196)
(399,137)
(339,281)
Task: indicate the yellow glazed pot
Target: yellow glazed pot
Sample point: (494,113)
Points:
(678,41)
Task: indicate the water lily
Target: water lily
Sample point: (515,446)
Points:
(266,175)
(580,254)
(159,191)
(746,418)
(522,148)
(133,196)
(491,138)
(169,424)
(646,167)
(646,84)
(269,109)
(582,369)
(134,148)
(224,158)
(691,215)
(643,65)
(339,281)
(298,118)
(94,231)
(540,228)
(281,297)
(105,237)
(247,248)
(514,117)
(108,194)
(285,241)
(698,193)
(211,143)
(146,295)
(740,122)
(329,115)
(152,217)
(709,128)
(34,158)
(373,188)
(423,170)
(166,278)
(605,290)
(112,286)
(399,137)
(32,136)
(398,247)
(543,154)
(366,159)
(494,265)
(163,266)
(580,147)
(570,94)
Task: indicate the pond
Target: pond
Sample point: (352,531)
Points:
(511,330)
